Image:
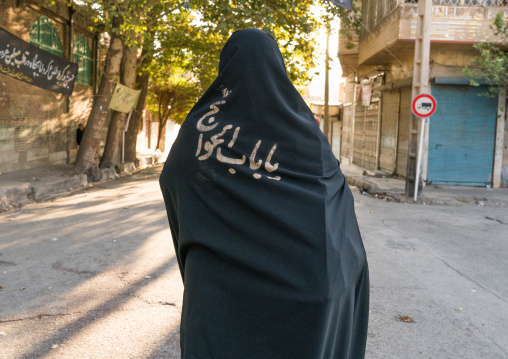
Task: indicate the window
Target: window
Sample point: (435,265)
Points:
(83,57)
(44,36)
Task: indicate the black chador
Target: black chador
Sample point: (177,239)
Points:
(263,222)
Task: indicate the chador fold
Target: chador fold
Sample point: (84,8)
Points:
(263,222)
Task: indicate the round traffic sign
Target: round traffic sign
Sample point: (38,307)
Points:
(424,105)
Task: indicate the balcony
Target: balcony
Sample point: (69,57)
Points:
(348,57)
(392,24)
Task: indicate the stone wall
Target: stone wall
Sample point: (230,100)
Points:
(38,127)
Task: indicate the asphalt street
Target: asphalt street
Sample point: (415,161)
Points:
(94,275)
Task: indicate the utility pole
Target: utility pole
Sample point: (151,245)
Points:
(420,86)
(326,124)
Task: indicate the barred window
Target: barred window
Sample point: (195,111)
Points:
(83,57)
(465,2)
(44,36)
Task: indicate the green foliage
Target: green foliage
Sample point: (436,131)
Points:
(189,35)
(492,64)
(294,23)
(172,94)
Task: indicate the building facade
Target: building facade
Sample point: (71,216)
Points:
(37,126)
(462,139)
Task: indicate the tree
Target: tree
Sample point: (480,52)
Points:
(127,22)
(87,159)
(142,82)
(172,96)
(171,37)
(492,64)
(172,24)
(294,23)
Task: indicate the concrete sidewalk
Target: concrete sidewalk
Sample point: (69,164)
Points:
(384,186)
(21,187)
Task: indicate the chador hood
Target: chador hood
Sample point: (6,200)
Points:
(263,221)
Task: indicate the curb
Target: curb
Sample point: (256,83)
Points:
(363,185)
(44,189)
(15,194)
(368,188)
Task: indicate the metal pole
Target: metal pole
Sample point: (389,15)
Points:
(326,125)
(420,86)
(126,128)
(353,121)
(500,129)
(123,147)
(420,152)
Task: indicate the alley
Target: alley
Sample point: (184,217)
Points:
(94,275)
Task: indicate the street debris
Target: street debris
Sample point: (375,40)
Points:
(406,319)
(2,287)
(5,263)
(59,266)
(54,239)
(495,219)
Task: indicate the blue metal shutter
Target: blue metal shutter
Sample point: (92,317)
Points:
(462,136)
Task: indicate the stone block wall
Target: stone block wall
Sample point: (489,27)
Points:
(38,127)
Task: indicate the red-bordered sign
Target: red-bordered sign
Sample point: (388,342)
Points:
(424,105)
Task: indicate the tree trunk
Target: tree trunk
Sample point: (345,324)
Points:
(88,154)
(131,136)
(112,148)
(161,132)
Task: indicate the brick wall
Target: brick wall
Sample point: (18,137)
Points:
(35,127)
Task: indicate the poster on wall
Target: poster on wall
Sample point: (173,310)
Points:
(124,98)
(26,62)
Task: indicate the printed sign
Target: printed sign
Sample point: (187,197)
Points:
(26,62)
(346,4)
(424,105)
(124,98)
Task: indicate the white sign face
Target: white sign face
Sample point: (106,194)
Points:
(424,105)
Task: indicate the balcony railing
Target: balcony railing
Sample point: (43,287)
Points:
(464,2)
(374,11)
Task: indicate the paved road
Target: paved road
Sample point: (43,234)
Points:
(93,275)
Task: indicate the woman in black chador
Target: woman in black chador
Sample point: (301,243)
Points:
(263,221)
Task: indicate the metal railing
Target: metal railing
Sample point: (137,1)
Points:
(463,2)
(374,11)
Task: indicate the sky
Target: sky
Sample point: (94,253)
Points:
(317,87)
